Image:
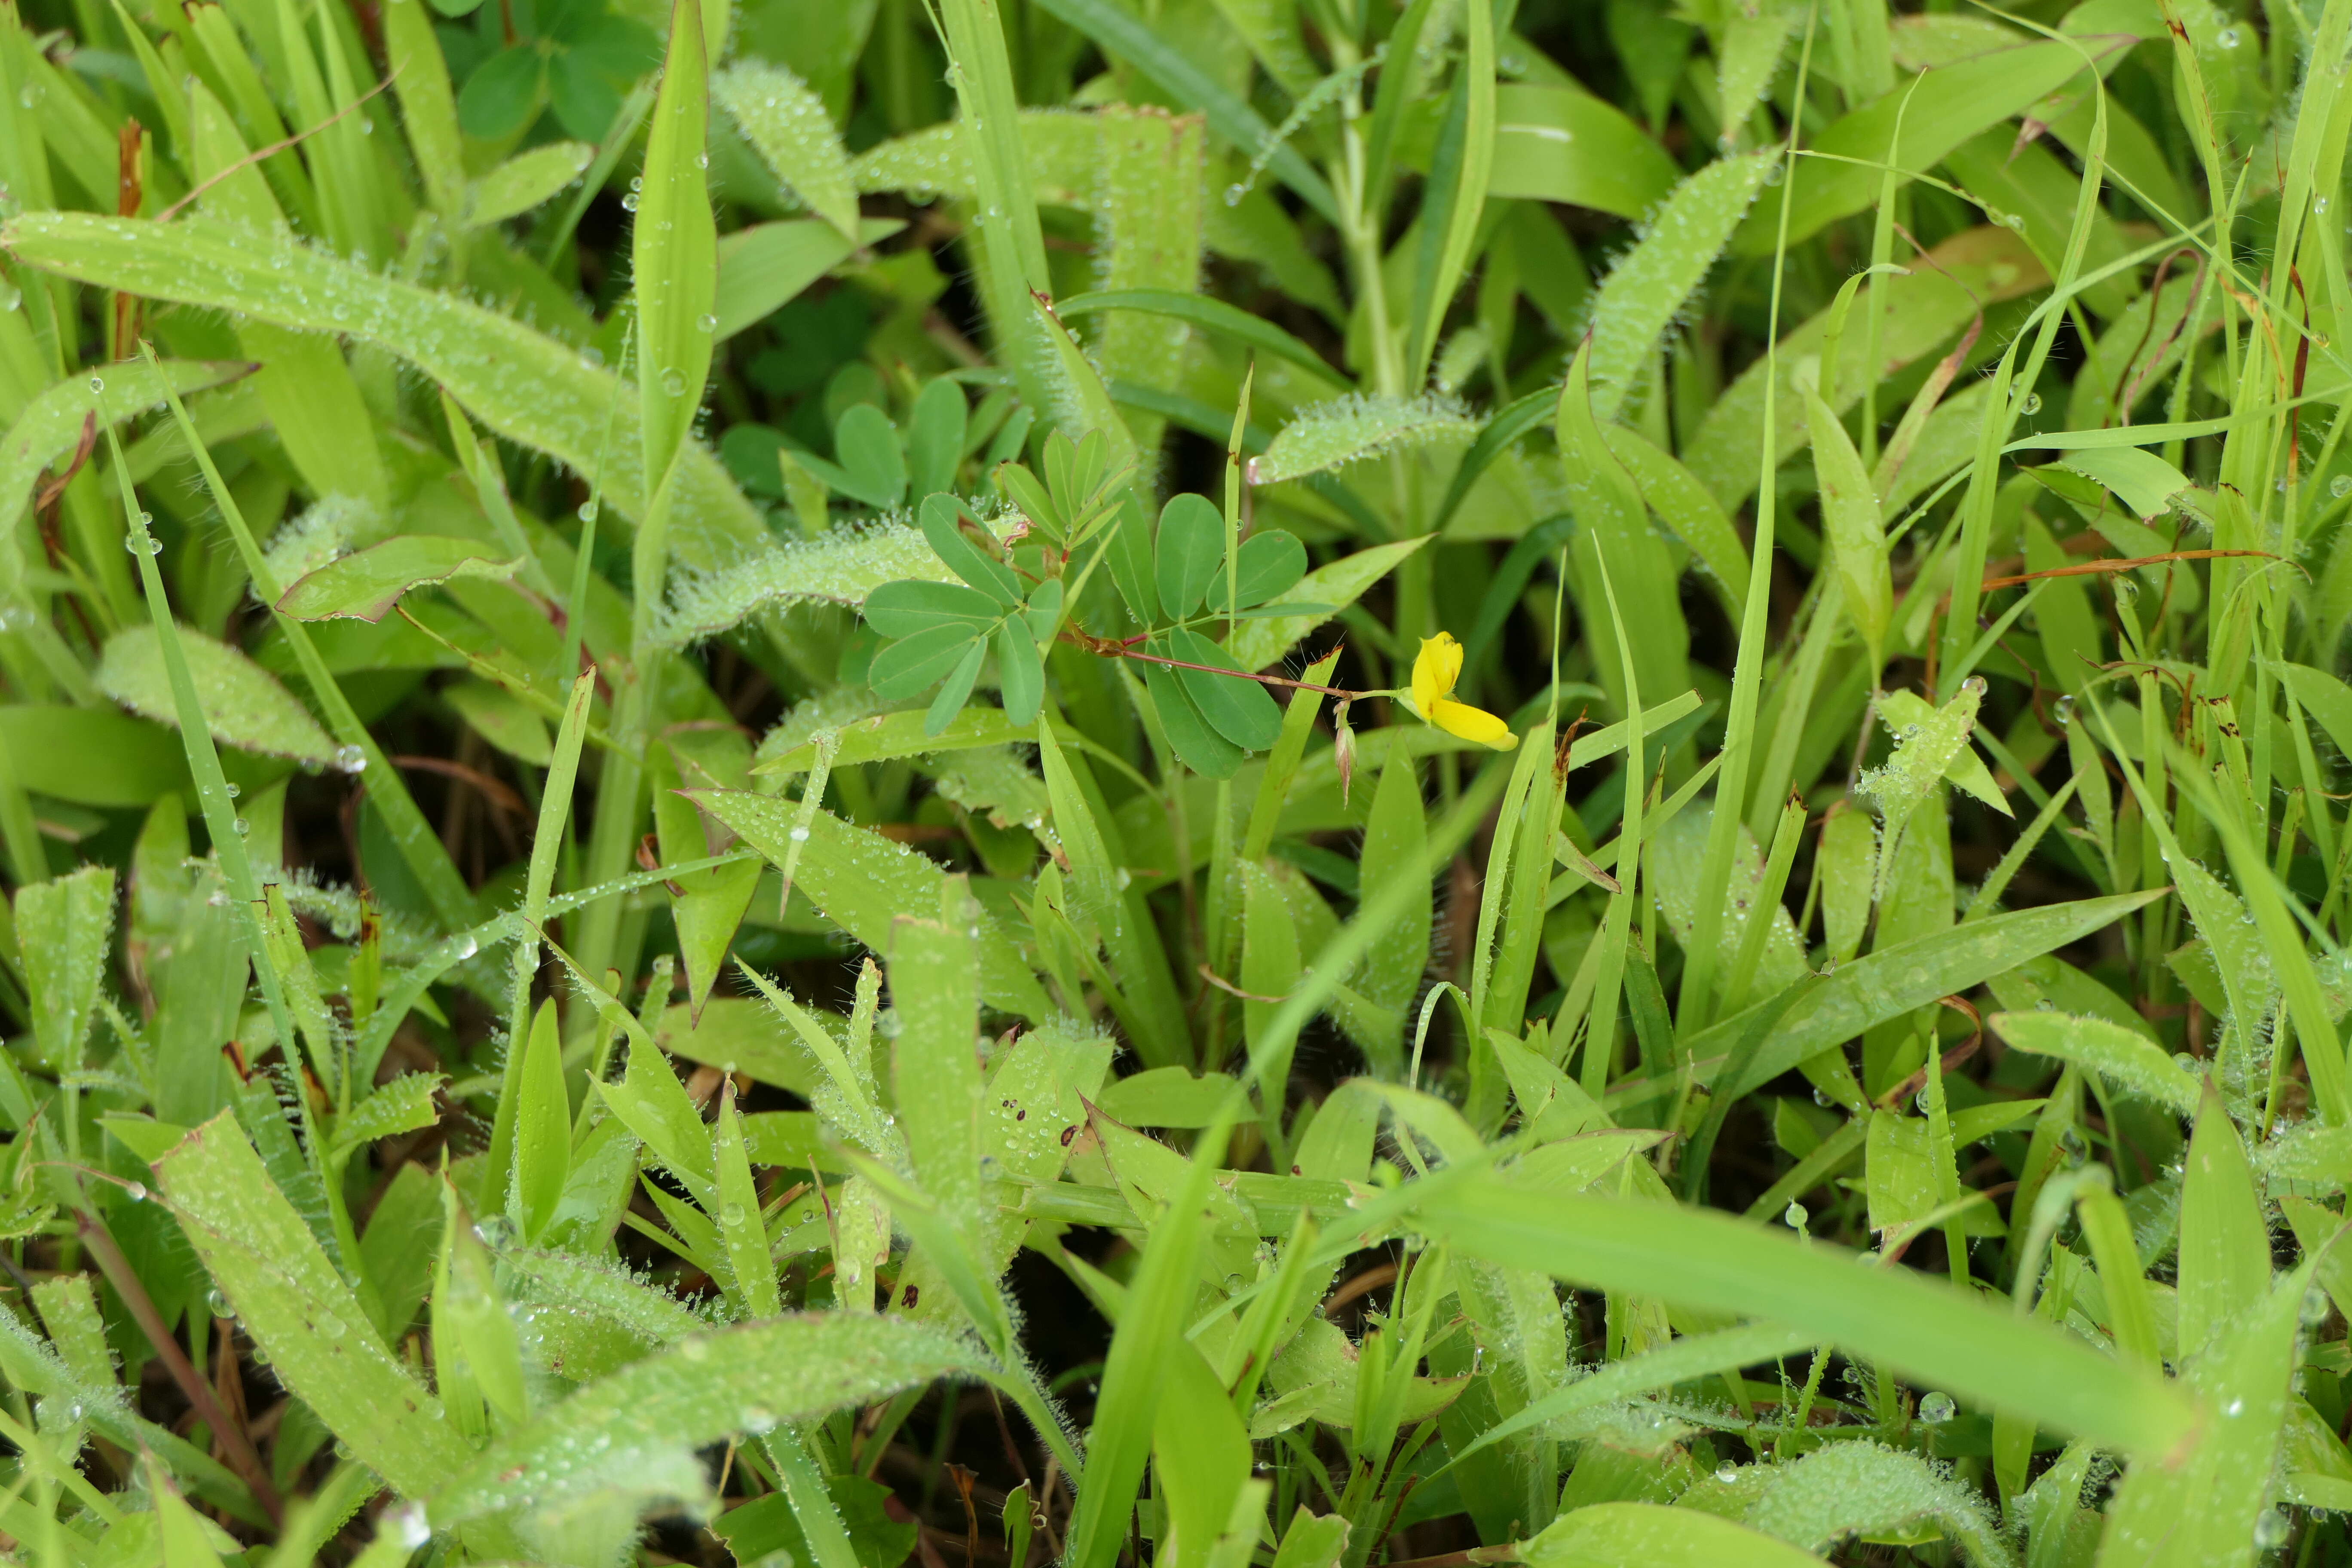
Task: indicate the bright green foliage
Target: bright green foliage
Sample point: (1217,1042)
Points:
(1232,783)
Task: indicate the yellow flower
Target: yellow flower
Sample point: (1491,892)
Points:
(1434,671)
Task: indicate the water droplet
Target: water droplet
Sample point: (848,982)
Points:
(243,827)
(2234,1408)
(588,509)
(2340,485)
(408,1525)
(1775,174)
(2271,1530)
(2032,404)
(135,1191)
(629,202)
(801,833)
(2319,204)
(97,383)
(732,1215)
(1935,1410)
(141,544)
(2064,711)
(1794,1215)
(702,159)
(467,948)
(705,322)
(2315,1306)
(672,381)
(2227,37)
(31,95)
(351,759)
(1726,1474)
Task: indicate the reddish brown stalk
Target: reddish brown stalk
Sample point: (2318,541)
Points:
(1105,647)
(237,1447)
(2100,568)
(1952,1058)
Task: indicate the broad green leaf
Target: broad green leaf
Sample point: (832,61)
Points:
(742,1225)
(636,1431)
(1189,554)
(936,431)
(48,428)
(1395,836)
(243,705)
(429,110)
(542,1129)
(2225,1252)
(525,385)
(2140,480)
(524,180)
(1894,980)
(1908,710)
(91,756)
(62,927)
(1849,1489)
(1194,741)
(2202,1507)
(1268,564)
(2127,1060)
(863,882)
(366,585)
(404,1105)
(502,719)
(1925,1329)
(766,266)
(1749,46)
(1151,205)
(839,568)
(1109,912)
(1269,969)
(1854,527)
(2325,698)
(289,1297)
(1648,289)
(870,465)
(885,736)
(785,119)
(935,1067)
(1236,707)
(1562,144)
(1136,1372)
(470,1311)
(674,265)
(1911,772)
(1334,434)
(1200,1465)
(1943,109)
(1647,1535)
(1619,566)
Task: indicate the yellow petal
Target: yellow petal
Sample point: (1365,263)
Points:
(1436,670)
(1471,725)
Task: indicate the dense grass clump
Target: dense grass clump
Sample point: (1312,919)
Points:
(1228,783)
